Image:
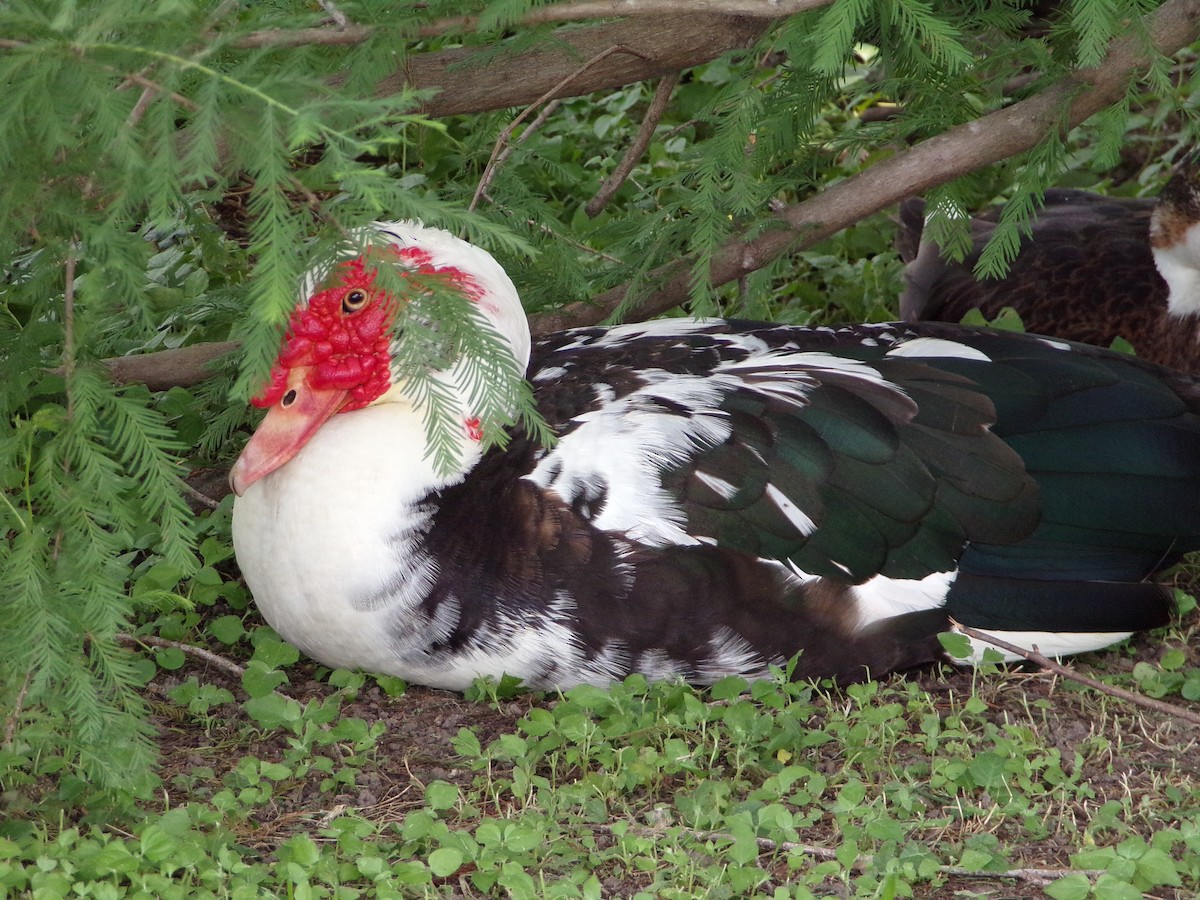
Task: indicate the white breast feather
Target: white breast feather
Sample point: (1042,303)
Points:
(320,540)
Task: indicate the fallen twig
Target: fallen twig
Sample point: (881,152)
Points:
(228,666)
(200,497)
(1030,875)
(1050,665)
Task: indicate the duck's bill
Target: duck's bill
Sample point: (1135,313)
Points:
(286,428)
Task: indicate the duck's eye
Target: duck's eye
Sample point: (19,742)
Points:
(354,301)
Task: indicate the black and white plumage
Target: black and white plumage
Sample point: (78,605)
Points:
(722,496)
(1092,269)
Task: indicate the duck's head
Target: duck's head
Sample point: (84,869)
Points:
(338,353)
(1175,237)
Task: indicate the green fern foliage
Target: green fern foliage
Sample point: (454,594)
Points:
(122,121)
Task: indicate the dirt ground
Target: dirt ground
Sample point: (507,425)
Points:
(422,723)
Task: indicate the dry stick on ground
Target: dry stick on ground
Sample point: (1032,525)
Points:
(1037,876)
(1057,668)
(612,184)
(228,666)
(201,498)
(503,146)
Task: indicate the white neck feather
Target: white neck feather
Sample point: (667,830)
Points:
(1179,265)
(341,557)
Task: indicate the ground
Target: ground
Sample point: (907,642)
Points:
(935,779)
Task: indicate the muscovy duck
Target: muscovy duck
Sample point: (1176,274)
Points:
(721,497)
(1092,269)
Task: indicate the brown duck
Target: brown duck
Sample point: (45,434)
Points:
(1092,269)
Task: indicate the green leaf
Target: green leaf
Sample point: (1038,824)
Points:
(1157,867)
(274,653)
(440,795)
(170,658)
(987,769)
(227,629)
(392,685)
(158,845)
(445,861)
(300,849)
(956,644)
(885,830)
(1069,887)
(1120,345)
(466,743)
(1108,887)
(273,710)
(1172,659)
(259,681)
(729,688)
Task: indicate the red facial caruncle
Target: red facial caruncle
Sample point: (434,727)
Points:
(344,336)
(344,332)
(336,357)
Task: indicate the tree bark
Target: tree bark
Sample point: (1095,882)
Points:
(468,80)
(182,367)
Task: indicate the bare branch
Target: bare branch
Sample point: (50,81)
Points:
(339,17)
(612,184)
(150,91)
(182,367)
(468,80)
(1057,668)
(502,148)
(304,37)
(940,159)
(543,15)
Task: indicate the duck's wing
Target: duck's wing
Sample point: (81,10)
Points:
(843,452)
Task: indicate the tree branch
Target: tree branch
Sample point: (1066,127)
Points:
(346,34)
(612,184)
(468,79)
(939,159)
(182,367)
(987,140)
